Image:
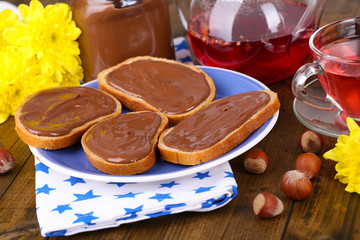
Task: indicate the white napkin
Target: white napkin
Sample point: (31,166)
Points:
(67,205)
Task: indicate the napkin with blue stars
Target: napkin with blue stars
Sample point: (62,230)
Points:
(67,205)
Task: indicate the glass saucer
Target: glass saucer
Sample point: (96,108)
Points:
(329,123)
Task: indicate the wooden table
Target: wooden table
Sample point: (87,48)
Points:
(329,212)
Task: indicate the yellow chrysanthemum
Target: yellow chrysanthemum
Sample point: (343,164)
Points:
(7,19)
(37,52)
(50,35)
(18,78)
(346,153)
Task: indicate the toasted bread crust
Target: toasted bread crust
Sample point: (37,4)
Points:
(58,142)
(226,144)
(137,104)
(128,168)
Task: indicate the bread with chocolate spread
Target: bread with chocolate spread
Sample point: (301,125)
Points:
(217,128)
(157,84)
(124,144)
(57,117)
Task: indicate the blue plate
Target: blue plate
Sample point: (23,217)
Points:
(72,160)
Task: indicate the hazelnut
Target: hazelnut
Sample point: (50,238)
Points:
(309,164)
(256,161)
(267,205)
(7,161)
(296,185)
(311,141)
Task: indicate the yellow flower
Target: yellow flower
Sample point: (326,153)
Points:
(50,35)
(37,52)
(7,18)
(17,79)
(347,154)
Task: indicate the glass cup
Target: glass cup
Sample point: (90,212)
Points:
(335,50)
(266,39)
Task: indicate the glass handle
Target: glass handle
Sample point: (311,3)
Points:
(311,94)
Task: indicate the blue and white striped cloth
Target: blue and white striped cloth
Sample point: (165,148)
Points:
(67,205)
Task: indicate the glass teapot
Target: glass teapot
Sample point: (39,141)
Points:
(265,39)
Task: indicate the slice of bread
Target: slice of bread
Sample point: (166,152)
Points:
(57,117)
(125,144)
(157,84)
(217,128)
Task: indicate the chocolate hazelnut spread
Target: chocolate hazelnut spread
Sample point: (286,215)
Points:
(113,31)
(55,112)
(125,138)
(171,88)
(215,121)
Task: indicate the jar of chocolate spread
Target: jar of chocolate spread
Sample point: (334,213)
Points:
(115,30)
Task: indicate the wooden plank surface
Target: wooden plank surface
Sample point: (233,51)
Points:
(329,212)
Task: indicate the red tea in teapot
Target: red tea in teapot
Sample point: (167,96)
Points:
(262,41)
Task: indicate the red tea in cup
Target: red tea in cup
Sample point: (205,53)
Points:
(341,78)
(335,49)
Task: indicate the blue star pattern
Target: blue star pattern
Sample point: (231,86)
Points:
(44,189)
(127,195)
(133,210)
(74,180)
(131,213)
(92,205)
(86,218)
(62,208)
(229,175)
(118,184)
(80,204)
(203,189)
(201,176)
(40,167)
(161,197)
(168,185)
(86,196)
